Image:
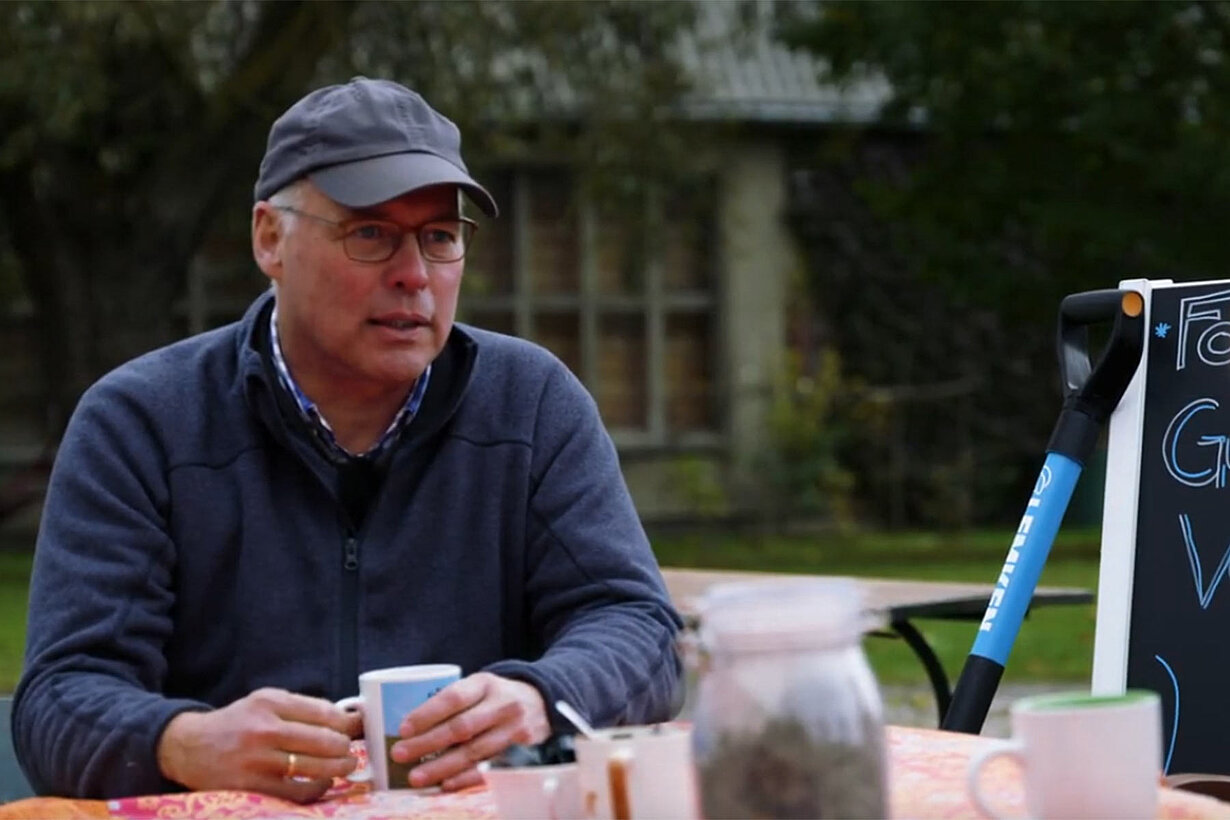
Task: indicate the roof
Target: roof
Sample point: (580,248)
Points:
(740,71)
(735,67)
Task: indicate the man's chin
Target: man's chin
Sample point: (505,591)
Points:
(398,374)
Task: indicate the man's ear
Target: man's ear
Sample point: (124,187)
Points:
(267,234)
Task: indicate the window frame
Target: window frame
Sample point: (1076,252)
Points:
(655,306)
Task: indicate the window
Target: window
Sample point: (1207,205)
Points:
(625,296)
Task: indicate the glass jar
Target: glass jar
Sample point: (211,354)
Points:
(788,720)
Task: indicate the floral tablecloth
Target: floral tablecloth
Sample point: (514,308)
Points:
(926,773)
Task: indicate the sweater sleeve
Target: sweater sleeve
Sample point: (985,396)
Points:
(597,601)
(88,711)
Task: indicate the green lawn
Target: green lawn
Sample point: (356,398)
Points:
(14,583)
(1055,644)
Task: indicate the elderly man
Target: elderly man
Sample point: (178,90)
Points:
(239,524)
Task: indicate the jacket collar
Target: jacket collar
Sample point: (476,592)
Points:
(452,372)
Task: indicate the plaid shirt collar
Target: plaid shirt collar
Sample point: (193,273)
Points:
(310,413)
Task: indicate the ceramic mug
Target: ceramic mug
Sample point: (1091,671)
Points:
(1083,756)
(385,697)
(638,772)
(520,792)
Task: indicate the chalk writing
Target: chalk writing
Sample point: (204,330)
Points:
(1174,724)
(1209,470)
(1193,558)
(1213,343)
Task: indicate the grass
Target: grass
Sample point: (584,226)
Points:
(14,586)
(1054,644)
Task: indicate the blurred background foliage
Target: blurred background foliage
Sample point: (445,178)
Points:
(808,426)
(1028,150)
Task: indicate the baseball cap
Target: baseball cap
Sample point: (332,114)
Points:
(366,142)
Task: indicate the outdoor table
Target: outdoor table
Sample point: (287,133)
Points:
(897,600)
(927,770)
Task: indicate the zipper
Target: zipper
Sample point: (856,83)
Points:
(348,626)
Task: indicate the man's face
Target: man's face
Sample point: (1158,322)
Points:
(357,326)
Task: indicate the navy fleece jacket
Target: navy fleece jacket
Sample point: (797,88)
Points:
(193,548)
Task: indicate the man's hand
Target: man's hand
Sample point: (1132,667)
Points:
(467,722)
(247,745)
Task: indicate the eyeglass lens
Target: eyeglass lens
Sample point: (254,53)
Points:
(442,241)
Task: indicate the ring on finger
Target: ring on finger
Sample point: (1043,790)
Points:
(291,762)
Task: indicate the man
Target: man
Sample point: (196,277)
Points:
(238,524)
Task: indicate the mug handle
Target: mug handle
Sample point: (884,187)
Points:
(1010,749)
(619,770)
(354,704)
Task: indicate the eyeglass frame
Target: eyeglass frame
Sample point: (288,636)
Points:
(401,233)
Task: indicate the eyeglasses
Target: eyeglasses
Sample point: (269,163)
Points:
(376,240)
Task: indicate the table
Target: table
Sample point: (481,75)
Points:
(898,600)
(926,777)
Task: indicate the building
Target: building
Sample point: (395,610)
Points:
(679,331)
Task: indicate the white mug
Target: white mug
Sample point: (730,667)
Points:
(522,792)
(638,772)
(385,697)
(1083,756)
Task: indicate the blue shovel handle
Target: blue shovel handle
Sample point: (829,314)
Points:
(1090,395)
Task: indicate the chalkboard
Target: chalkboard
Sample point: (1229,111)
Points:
(1163,619)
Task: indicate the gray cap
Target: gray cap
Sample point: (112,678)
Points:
(366,142)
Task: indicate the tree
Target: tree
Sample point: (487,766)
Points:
(131,122)
(130,125)
(1053,148)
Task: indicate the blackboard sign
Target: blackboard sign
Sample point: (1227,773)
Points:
(1163,609)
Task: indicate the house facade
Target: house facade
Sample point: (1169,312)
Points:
(675,319)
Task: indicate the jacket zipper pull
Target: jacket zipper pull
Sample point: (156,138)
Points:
(350,558)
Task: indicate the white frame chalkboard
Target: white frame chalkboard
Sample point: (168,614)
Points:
(1160,620)
(1121,505)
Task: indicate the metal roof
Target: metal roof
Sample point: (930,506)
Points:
(741,72)
(737,71)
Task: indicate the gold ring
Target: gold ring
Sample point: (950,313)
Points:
(290,765)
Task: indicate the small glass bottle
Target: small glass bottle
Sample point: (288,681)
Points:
(788,720)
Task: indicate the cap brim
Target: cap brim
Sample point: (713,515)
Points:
(368,182)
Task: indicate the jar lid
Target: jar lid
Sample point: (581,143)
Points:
(784,614)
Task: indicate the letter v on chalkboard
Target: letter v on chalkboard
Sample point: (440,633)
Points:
(1090,395)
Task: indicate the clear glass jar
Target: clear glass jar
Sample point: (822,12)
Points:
(788,720)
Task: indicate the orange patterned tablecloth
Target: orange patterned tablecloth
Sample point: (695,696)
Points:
(927,776)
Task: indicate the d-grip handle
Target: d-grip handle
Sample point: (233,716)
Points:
(619,772)
(1091,392)
(1009,749)
(1077,312)
(1103,384)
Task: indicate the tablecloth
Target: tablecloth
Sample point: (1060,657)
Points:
(926,775)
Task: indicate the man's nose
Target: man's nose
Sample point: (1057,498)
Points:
(407,269)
